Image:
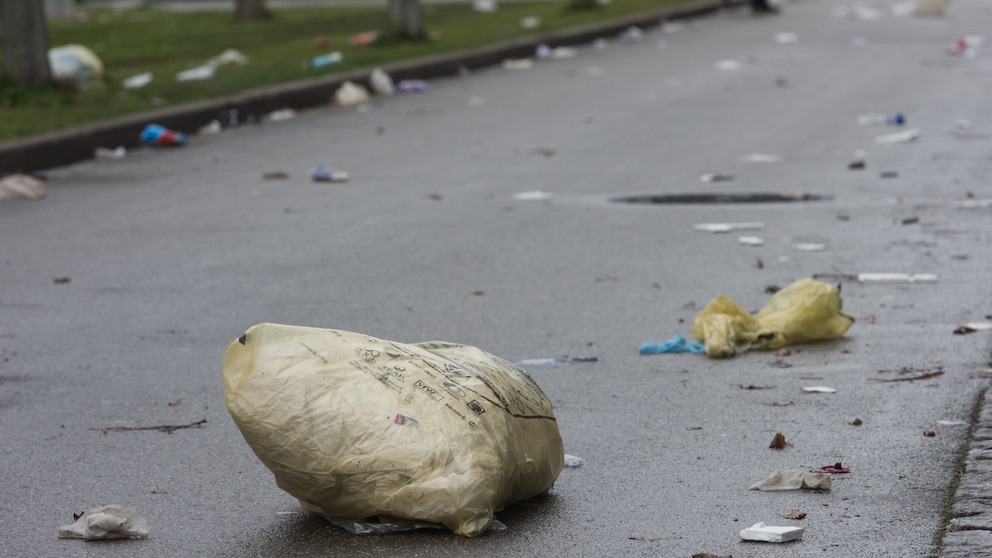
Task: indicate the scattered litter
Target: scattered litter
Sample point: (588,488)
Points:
(275,175)
(727,227)
(554,361)
(927,376)
(366,38)
(786,38)
(157,490)
(778,442)
(909,220)
(952,423)
(807,310)
(819,389)
(175,403)
(857,164)
(728,65)
(381,82)
(716,177)
(972,327)
(929,433)
(199,73)
(762,158)
(571,461)
(896,277)
(351,94)
(783,352)
(324,60)
(412,86)
(974,204)
(630,35)
(809,247)
(751,387)
(76,64)
(137,81)
(897,119)
(105,153)
(403,420)
(62,280)
(484,6)
(320,173)
(166,428)
(899,137)
(309,402)
(796,514)
(530,22)
(872,119)
(931,7)
(518,64)
(676,344)
(768,533)
(229,56)
(793,479)
(532,195)
(857,422)
(543,51)
(280,115)
(751,240)
(106,522)
(835,469)
(160,136)
(211,129)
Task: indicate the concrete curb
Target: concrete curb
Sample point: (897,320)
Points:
(77,143)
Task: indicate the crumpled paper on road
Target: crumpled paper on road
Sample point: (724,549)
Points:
(356,427)
(105,523)
(805,311)
(21,186)
(794,479)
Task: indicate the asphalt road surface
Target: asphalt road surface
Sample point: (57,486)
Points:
(120,291)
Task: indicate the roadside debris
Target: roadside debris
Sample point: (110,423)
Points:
(137,81)
(819,389)
(857,422)
(530,22)
(793,479)
(778,442)
(518,64)
(796,514)
(211,129)
(927,376)
(361,39)
(762,158)
(972,327)
(676,344)
(929,433)
(835,469)
(555,361)
(952,423)
(807,310)
(309,402)
(728,65)
(320,173)
(572,461)
(208,69)
(75,65)
(751,240)
(21,186)
(106,523)
(275,175)
(966,46)
(727,227)
(61,280)
(484,6)
(381,82)
(412,86)
(166,428)
(767,533)
(899,137)
(716,177)
(324,60)
(786,38)
(280,115)
(160,136)
(103,153)
(532,195)
(809,247)
(350,94)
(880,277)
(630,35)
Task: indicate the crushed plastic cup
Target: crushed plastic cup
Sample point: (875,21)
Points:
(381,82)
(572,461)
(160,136)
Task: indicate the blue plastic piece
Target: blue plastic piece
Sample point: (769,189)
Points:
(676,344)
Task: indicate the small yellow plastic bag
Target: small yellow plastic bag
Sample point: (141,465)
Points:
(805,311)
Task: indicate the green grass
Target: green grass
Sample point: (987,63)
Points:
(164,43)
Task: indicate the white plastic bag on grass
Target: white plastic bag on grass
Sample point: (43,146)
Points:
(356,427)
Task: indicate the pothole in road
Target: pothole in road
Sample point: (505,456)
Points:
(719,198)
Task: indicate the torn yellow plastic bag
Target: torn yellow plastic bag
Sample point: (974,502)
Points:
(805,311)
(356,427)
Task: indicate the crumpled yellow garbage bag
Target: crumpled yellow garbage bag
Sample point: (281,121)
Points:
(805,311)
(357,427)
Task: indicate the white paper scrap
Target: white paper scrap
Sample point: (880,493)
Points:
(770,533)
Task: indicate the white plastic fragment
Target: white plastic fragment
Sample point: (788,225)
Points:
(671,27)
(979,326)
(484,6)
(198,73)
(952,423)
(530,22)
(769,533)
(809,247)
(21,186)
(728,65)
(974,204)
(819,389)
(897,278)
(762,158)
(211,129)
(137,81)
(786,38)
(793,479)
(716,177)
(105,153)
(872,119)
(727,227)
(751,240)
(280,115)
(899,137)
(518,64)
(532,195)
(105,523)
(381,83)
(572,461)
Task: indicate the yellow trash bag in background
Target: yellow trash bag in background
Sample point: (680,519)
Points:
(357,427)
(805,311)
